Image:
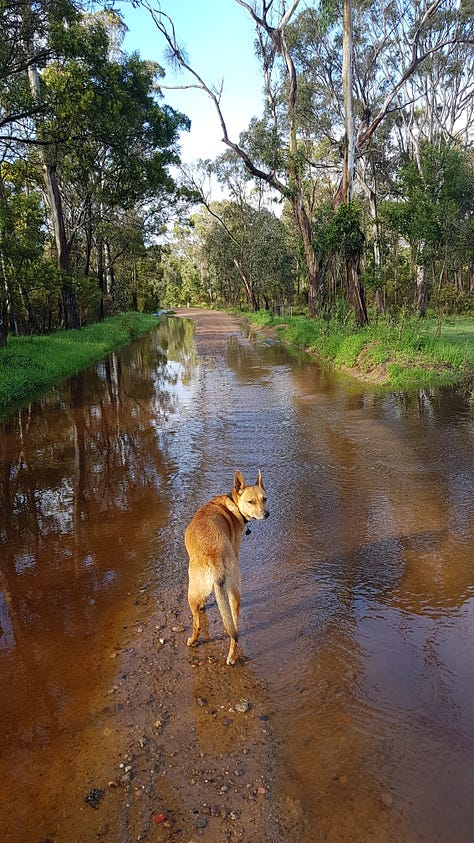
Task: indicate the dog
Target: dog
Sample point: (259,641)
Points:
(212,541)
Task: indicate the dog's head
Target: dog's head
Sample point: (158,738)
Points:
(251,500)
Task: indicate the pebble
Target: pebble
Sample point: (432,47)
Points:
(243,706)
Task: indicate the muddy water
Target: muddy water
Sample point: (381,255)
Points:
(357,620)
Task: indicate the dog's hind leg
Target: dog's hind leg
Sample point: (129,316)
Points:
(194,606)
(234,602)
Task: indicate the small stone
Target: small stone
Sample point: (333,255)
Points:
(201,823)
(261,791)
(234,815)
(243,706)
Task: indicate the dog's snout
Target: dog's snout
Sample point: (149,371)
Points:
(267,513)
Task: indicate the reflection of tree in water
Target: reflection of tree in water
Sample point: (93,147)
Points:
(84,493)
(83,482)
(176,339)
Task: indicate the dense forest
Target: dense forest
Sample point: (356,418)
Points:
(352,192)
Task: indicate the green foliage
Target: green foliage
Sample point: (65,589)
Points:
(30,365)
(435,215)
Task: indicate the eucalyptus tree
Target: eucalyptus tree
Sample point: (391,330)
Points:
(91,120)
(307,124)
(244,250)
(121,168)
(34,34)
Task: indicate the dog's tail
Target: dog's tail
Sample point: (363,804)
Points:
(223,604)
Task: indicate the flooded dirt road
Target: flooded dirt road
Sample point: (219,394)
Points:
(350,716)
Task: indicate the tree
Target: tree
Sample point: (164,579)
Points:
(98,140)
(435,213)
(280,152)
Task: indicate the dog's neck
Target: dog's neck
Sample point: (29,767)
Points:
(234,501)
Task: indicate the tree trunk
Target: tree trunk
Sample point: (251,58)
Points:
(316,280)
(355,290)
(379,301)
(30,319)
(248,286)
(109,270)
(347,88)
(421,290)
(88,232)
(100,276)
(70,315)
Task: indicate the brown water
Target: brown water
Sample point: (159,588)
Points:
(358,593)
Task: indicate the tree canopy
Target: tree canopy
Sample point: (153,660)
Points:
(354,184)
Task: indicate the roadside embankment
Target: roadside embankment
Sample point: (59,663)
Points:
(31,365)
(408,355)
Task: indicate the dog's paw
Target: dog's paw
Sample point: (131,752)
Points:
(230,660)
(191,642)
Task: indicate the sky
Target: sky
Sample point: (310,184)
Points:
(218,36)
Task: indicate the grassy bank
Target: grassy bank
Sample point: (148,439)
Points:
(30,365)
(404,356)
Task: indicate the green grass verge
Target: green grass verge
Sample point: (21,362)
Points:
(404,356)
(30,365)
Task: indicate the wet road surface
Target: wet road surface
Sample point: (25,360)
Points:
(357,608)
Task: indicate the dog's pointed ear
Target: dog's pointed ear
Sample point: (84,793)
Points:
(259,479)
(239,482)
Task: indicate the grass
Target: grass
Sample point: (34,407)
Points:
(406,356)
(31,365)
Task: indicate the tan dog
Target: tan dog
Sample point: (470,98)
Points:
(212,540)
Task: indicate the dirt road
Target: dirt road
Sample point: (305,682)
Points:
(201,759)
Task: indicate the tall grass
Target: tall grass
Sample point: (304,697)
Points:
(30,365)
(405,355)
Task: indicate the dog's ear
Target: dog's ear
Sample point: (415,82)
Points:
(239,482)
(259,479)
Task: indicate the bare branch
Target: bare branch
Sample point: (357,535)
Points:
(165,26)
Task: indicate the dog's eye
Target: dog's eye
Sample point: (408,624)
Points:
(264,500)
(252,503)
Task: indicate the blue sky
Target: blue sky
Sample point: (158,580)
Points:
(219,39)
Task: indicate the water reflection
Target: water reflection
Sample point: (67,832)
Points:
(76,468)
